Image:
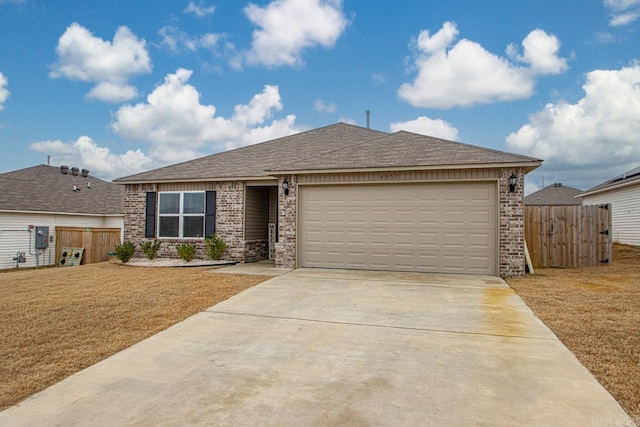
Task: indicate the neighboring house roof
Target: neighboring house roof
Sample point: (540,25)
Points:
(337,147)
(46,189)
(628,178)
(554,195)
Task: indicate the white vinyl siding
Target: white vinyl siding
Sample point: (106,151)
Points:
(15,237)
(431,227)
(625,212)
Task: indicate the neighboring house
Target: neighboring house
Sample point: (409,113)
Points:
(623,193)
(554,195)
(343,196)
(47,196)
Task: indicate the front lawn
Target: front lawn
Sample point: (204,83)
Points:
(595,312)
(57,321)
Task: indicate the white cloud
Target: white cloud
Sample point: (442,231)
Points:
(324,107)
(624,18)
(287,27)
(199,9)
(541,51)
(623,12)
(112,92)
(4,92)
(82,56)
(378,78)
(86,153)
(178,126)
(431,127)
(592,137)
(605,38)
(177,41)
(464,73)
(259,108)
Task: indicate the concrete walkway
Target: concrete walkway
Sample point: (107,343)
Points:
(331,347)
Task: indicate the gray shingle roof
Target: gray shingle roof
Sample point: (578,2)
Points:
(45,189)
(554,195)
(404,150)
(339,146)
(626,178)
(254,160)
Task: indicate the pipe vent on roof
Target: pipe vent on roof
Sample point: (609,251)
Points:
(64,169)
(85,172)
(75,171)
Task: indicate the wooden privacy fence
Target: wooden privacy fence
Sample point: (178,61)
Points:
(97,242)
(568,236)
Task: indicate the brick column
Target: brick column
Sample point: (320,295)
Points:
(287,204)
(512,262)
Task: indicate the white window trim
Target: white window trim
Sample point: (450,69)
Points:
(181,215)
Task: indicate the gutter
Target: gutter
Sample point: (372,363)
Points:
(183,180)
(528,166)
(62,213)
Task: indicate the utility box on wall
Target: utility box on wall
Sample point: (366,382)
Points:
(42,237)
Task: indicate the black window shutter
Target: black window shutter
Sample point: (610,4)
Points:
(150,216)
(210,214)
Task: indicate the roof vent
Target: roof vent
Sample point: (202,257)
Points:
(74,171)
(557,184)
(64,169)
(85,172)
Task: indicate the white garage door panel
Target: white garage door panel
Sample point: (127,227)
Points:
(443,227)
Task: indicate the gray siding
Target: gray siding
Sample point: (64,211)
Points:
(256,214)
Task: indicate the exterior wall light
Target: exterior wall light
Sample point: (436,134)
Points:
(513,180)
(285,186)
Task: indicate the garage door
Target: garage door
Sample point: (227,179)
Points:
(441,227)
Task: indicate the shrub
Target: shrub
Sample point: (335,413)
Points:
(125,251)
(214,246)
(150,249)
(187,251)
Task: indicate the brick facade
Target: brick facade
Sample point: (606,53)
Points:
(229,218)
(230,222)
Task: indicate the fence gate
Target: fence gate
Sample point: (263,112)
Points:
(568,236)
(97,242)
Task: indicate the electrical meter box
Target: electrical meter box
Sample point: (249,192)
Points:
(42,237)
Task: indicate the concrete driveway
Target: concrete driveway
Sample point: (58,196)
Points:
(333,347)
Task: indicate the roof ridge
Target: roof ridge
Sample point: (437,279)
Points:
(384,134)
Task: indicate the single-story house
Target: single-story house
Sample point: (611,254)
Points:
(623,193)
(37,200)
(554,195)
(343,196)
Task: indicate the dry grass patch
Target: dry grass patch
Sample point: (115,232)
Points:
(595,312)
(57,321)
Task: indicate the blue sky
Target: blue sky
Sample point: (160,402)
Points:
(119,87)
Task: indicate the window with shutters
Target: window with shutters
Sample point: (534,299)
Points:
(181,214)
